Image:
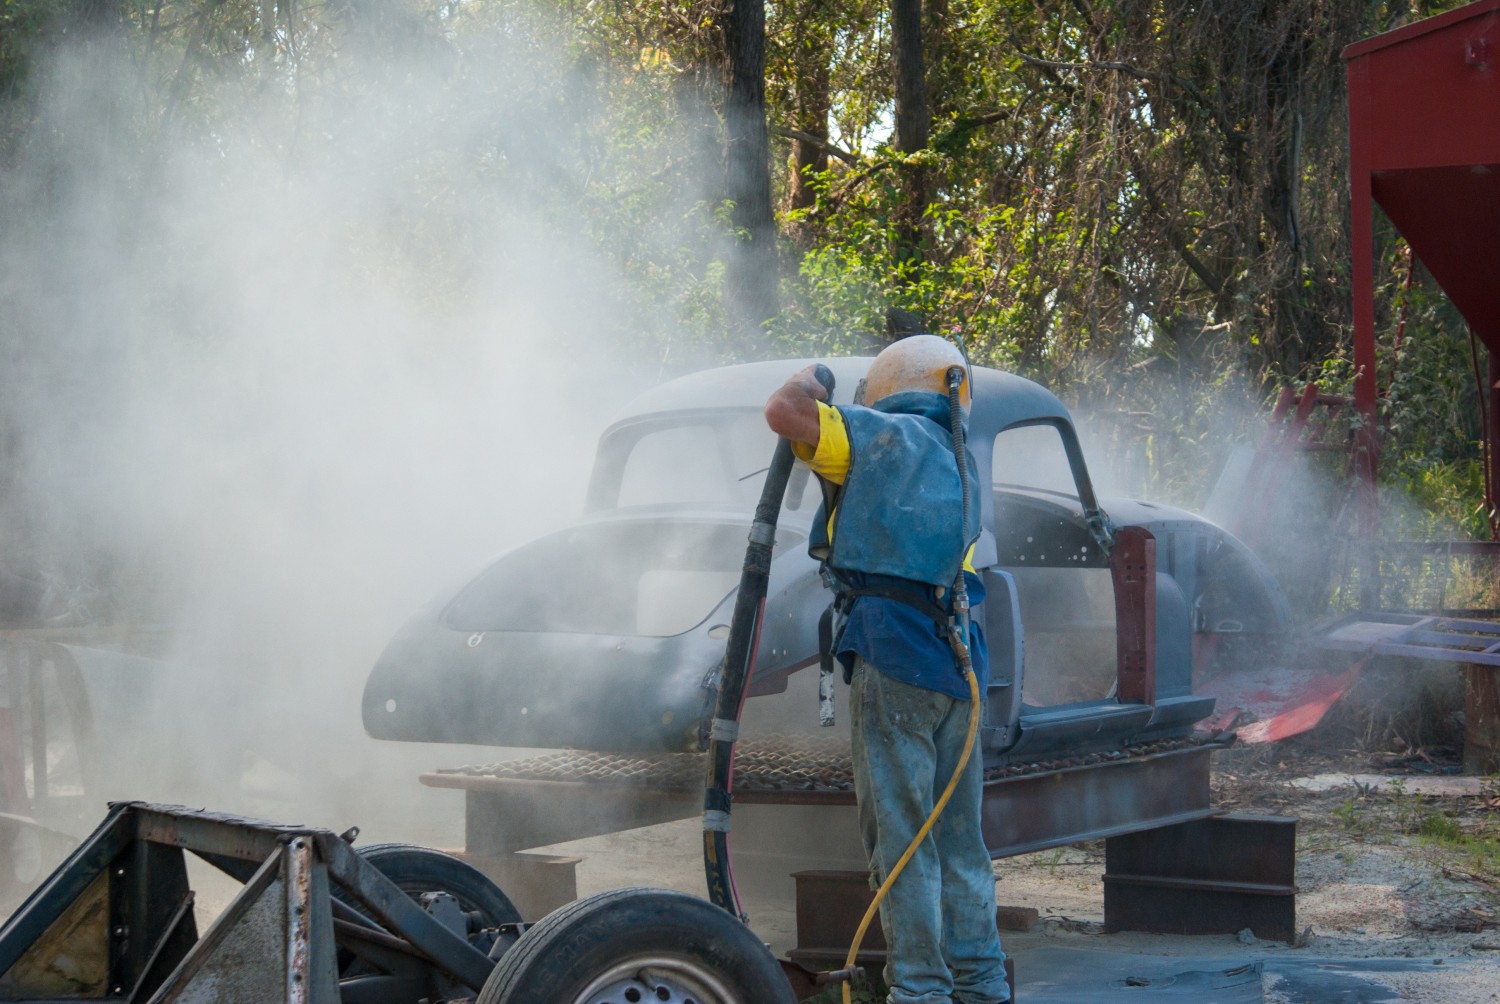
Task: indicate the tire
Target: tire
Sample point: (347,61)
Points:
(415,870)
(643,945)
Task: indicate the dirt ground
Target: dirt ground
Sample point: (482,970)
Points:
(1370,882)
(1398,858)
(1398,863)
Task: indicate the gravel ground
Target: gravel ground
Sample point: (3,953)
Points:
(1398,859)
(1371,885)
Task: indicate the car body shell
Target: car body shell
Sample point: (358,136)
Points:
(609,634)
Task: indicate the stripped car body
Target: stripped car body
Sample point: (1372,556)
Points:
(608,635)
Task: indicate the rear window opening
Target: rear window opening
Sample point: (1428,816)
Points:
(638,578)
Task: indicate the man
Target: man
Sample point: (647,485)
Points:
(893,542)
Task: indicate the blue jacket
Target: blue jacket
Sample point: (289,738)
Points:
(898,529)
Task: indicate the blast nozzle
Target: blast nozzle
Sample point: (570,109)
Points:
(824,376)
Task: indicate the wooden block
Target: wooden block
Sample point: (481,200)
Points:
(1016,918)
(1482,720)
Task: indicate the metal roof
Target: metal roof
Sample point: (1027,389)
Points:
(1000,399)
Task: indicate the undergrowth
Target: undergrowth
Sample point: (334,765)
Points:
(873,993)
(1473,845)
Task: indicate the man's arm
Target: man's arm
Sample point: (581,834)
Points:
(792,411)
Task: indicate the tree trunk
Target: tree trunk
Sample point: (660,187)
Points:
(812,102)
(751,282)
(913,121)
(1482,720)
(944,68)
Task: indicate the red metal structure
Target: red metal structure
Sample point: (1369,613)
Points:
(1424,104)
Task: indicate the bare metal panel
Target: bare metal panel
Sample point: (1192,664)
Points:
(72,957)
(243,958)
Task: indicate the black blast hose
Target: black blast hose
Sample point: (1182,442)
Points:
(739,659)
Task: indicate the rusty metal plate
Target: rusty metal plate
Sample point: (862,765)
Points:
(1032,812)
(1027,807)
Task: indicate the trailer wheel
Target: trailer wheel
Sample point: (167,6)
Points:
(416,870)
(638,945)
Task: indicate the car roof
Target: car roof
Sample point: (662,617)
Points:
(1001,399)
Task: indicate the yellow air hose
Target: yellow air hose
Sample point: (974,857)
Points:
(911,848)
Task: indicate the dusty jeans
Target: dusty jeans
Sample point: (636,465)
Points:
(939,917)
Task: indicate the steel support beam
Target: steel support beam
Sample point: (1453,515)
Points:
(1022,812)
(1035,811)
(1210,876)
(1132,566)
(1482,720)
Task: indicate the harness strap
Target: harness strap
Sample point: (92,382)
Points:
(825,640)
(825,668)
(921,604)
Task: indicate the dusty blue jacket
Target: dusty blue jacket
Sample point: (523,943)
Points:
(898,529)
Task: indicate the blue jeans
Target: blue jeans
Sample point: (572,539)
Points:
(939,917)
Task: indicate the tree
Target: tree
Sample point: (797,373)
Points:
(913,119)
(1081,189)
(751,287)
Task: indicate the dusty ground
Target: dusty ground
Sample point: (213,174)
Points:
(1397,856)
(1395,850)
(1370,881)
(1398,859)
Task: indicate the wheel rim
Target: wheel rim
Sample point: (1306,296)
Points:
(658,979)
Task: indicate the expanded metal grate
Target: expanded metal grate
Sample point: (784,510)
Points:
(765,763)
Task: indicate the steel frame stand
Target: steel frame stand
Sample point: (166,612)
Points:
(116,920)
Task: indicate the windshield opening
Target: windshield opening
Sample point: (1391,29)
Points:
(1034,458)
(716,460)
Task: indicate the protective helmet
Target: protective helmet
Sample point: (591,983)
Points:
(916,362)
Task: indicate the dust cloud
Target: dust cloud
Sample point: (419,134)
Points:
(283,363)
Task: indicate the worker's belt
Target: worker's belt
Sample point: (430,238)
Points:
(923,602)
(923,599)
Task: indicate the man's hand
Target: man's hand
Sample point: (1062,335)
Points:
(793,410)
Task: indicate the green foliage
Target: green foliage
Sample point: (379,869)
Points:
(839,296)
(1430,412)
(1479,851)
(1474,845)
(477,114)
(1479,847)
(870,992)
(1354,818)
(1142,205)
(21,22)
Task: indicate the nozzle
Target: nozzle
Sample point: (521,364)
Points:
(840,976)
(824,376)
